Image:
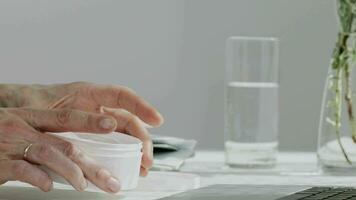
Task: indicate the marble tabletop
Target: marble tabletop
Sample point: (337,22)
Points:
(205,168)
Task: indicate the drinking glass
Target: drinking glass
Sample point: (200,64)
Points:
(251,101)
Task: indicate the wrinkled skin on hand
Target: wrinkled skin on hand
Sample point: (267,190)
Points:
(22,128)
(120,103)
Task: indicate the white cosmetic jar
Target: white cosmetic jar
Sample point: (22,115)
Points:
(119,153)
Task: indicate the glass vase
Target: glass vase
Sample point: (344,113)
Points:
(336,147)
(337,128)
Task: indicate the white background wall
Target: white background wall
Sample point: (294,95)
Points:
(172,53)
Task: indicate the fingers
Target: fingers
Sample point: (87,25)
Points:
(97,174)
(143,171)
(125,98)
(16,134)
(52,158)
(129,123)
(91,169)
(23,171)
(62,120)
(13,128)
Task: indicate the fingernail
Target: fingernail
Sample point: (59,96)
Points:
(144,124)
(143,172)
(113,185)
(112,111)
(107,123)
(49,186)
(84,185)
(101,109)
(104,109)
(161,118)
(109,110)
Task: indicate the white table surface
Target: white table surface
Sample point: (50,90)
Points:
(206,168)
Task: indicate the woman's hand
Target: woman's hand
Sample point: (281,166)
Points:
(23,128)
(119,102)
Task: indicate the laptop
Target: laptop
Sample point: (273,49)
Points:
(266,192)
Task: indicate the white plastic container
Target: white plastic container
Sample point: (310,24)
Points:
(119,153)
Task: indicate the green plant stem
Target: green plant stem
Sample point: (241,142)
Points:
(338,64)
(348,99)
(338,105)
(342,62)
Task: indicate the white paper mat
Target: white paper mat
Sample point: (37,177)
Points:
(155,185)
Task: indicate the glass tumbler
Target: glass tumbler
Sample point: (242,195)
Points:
(251,101)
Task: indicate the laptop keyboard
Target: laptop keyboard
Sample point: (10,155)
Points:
(321,193)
